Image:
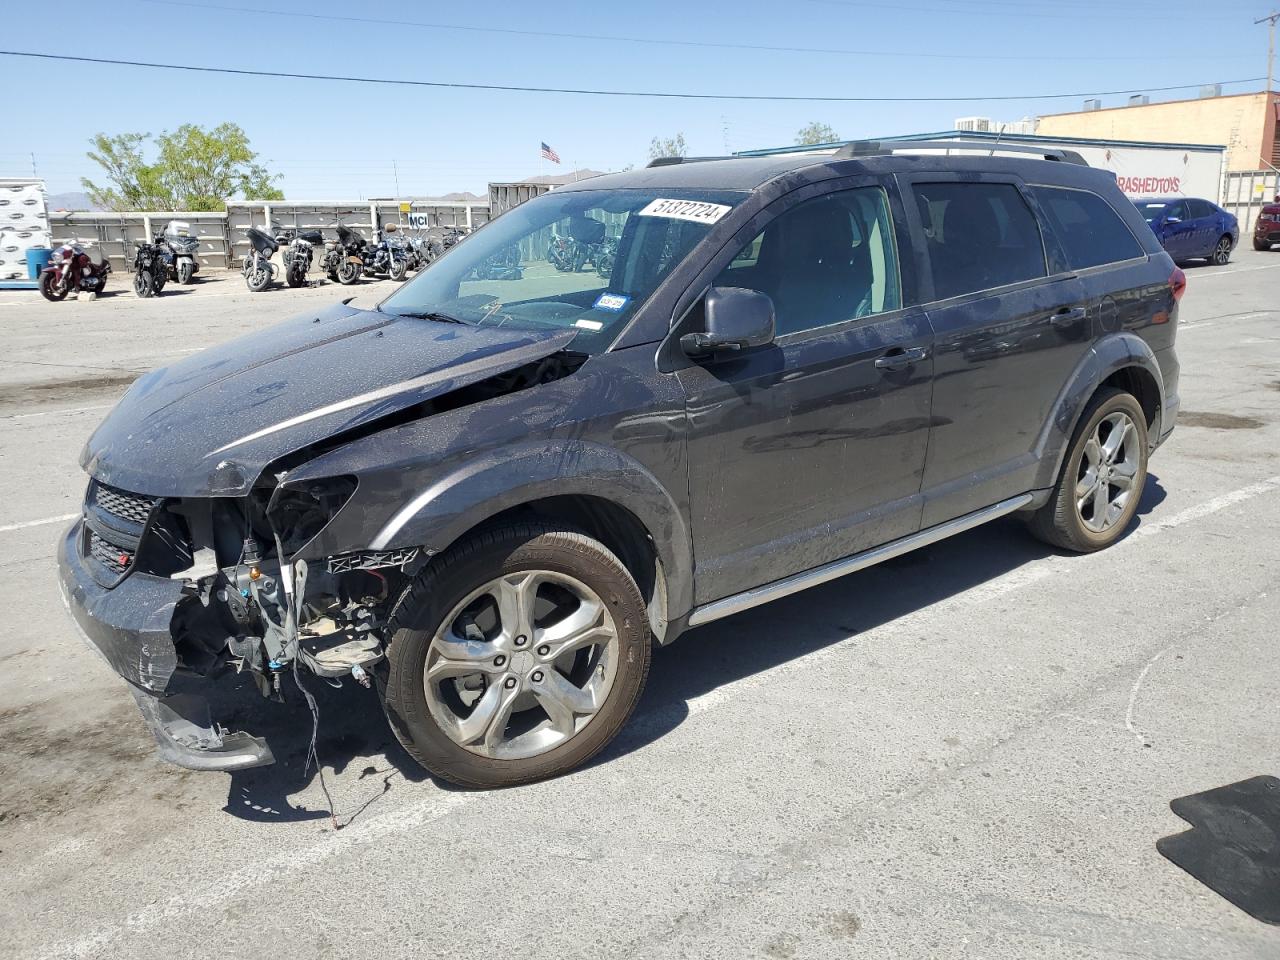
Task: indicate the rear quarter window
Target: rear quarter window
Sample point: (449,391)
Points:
(1090,232)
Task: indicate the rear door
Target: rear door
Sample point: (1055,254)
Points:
(1204,232)
(1177,232)
(812,448)
(1008,332)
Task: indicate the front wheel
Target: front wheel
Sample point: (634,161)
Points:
(258,278)
(1221,255)
(143,284)
(49,288)
(295,276)
(1102,477)
(1261,245)
(186,270)
(399,270)
(515,656)
(348,272)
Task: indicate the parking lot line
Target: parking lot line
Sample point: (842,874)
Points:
(37,523)
(1231,273)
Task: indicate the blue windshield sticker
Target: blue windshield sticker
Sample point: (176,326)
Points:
(613,302)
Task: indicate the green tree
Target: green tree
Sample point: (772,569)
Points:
(667,147)
(816,133)
(195,169)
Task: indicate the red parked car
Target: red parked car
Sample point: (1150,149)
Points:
(1267,230)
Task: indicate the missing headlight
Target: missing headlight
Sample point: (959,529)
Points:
(298,513)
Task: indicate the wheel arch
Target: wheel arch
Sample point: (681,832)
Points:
(597,489)
(1122,360)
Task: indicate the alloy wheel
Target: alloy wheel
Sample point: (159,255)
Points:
(1105,482)
(522,664)
(1222,252)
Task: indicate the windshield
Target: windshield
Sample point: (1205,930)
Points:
(584,260)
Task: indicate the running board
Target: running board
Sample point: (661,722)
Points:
(838,568)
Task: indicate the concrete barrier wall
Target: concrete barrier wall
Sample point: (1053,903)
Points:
(222,239)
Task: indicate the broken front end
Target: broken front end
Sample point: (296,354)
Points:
(178,592)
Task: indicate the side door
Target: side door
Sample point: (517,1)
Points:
(1008,331)
(811,448)
(1177,231)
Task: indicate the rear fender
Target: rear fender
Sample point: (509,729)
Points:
(1109,355)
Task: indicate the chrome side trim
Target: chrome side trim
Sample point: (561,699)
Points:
(838,568)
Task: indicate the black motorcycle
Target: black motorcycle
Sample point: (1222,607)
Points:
(257,268)
(603,256)
(297,254)
(343,259)
(438,243)
(150,268)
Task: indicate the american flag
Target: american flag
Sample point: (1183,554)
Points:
(549,154)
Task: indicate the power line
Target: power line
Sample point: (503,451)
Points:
(963,12)
(667,42)
(512,88)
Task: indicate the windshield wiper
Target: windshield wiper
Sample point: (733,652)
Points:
(432,315)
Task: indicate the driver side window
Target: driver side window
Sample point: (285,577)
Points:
(825,261)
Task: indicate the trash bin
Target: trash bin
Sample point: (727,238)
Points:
(37,260)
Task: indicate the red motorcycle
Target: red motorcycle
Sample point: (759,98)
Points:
(74,267)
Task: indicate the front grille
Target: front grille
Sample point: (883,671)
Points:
(116,559)
(132,507)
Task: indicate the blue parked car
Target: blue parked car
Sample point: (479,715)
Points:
(1190,228)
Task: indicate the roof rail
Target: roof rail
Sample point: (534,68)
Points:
(672,161)
(882,148)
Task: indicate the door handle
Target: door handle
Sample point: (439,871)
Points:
(1068,316)
(900,359)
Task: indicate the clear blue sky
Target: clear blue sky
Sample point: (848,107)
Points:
(337,141)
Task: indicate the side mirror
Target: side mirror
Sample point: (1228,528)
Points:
(736,319)
(1172,219)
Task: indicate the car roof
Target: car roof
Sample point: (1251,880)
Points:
(1167,199)
(751,173)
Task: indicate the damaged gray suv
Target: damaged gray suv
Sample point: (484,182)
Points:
(625,408)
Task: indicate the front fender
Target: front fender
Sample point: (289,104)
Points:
(1112,353)
(509,477)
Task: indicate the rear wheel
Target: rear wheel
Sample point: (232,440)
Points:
(517,655)
(1102,477)
(1222,251)
(49,288)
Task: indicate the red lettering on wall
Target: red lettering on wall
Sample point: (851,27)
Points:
(1150,185)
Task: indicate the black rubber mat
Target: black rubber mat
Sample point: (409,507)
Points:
(1234,848)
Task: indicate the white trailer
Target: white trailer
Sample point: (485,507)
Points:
(24,223)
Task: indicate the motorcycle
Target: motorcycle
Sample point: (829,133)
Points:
(438,244)
(605,252)
(257,268)
(150,268)
(392,254)
(77,265)
(297,254)
(343,259)
(567,255)
(417,252)
(182,248)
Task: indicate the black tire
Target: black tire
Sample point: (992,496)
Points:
(399,270)
(1261,245)
(349,273)
(186,270)
(143,284)
(445,583)
(259,279)
(1059,522)
(295,277)
(49,287)
(1221,255)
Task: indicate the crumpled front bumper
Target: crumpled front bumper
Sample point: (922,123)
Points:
(129,626)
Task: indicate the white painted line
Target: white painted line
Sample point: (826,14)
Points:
(435,804)
(53,413)
(1193,277)
(38,523)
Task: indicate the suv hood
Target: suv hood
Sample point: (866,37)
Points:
(210,424)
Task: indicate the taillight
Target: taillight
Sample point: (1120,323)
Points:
(1177,283)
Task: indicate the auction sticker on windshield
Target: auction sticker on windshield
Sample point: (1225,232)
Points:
(695,210)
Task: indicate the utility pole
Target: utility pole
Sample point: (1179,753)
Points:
(1271,44)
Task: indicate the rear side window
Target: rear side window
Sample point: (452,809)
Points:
(1200,208)
(1090,231)
(980,235)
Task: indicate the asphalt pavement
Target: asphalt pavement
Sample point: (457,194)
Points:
(966,752)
